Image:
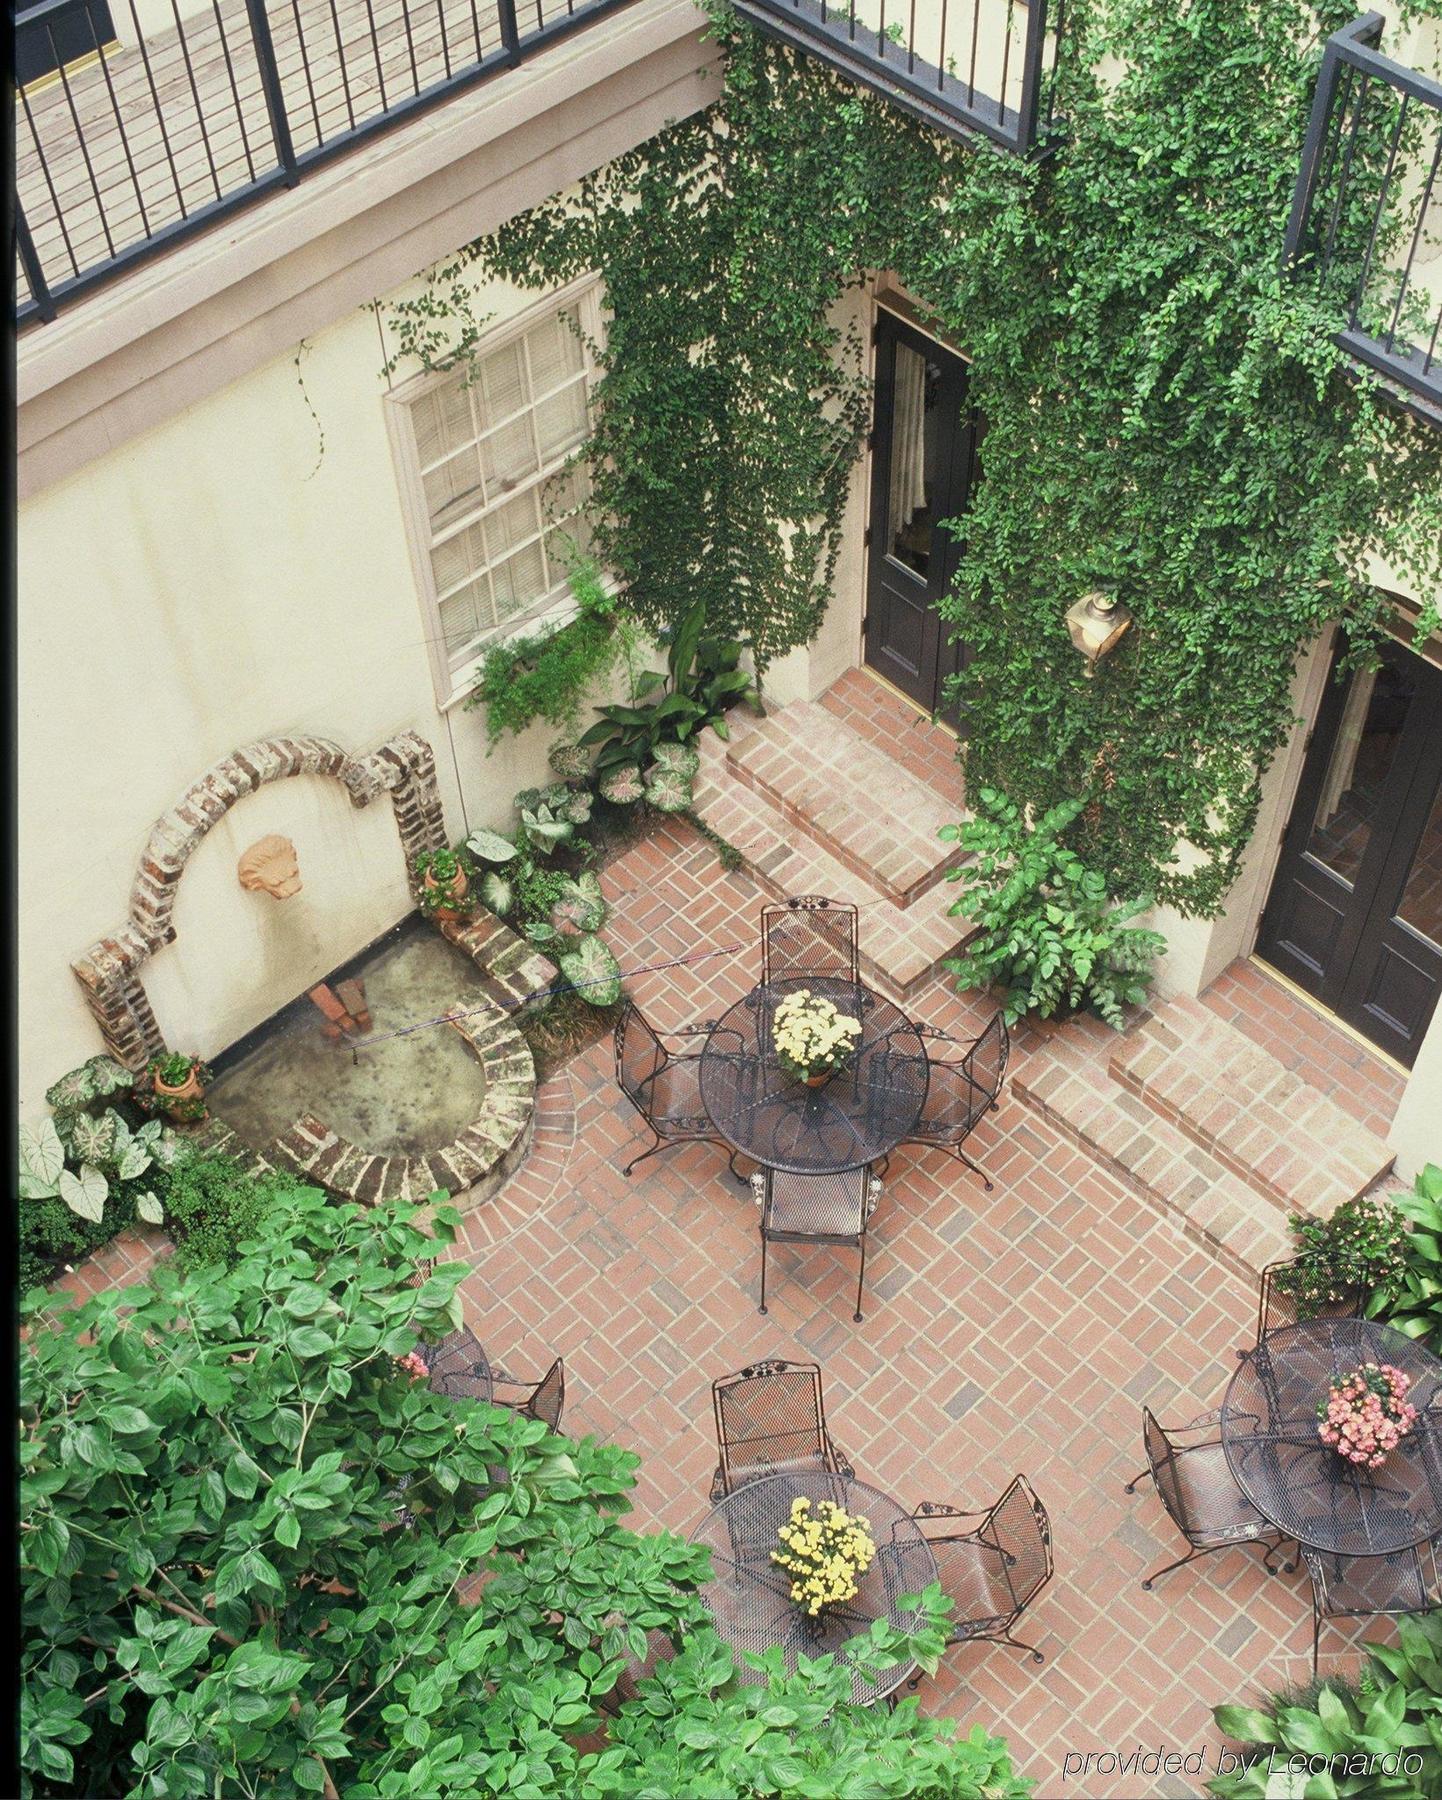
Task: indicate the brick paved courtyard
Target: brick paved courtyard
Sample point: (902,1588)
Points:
(1017,1331)
(1021,1330)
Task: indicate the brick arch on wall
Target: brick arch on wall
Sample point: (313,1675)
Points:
(109,972)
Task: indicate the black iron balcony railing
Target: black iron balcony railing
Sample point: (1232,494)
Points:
(121,151)
(964,65)
(1366,220)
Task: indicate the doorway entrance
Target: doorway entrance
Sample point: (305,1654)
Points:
(924,466)
(1354,916)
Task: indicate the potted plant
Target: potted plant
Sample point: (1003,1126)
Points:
(813,1038)
(1366,1413)
(445,884)
(179,1083)
(825,1552)
(1048,937)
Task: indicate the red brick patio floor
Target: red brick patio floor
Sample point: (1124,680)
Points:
(1021,1330)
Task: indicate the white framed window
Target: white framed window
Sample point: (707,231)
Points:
(492,509)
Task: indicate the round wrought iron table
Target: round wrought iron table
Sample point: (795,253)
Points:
(749,1597)
(1300,1484)
(458,1367)
(859,1116)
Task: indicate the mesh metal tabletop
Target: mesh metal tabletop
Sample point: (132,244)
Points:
(458,1367)
(1269,1433)
(750,1596)
(860,1115)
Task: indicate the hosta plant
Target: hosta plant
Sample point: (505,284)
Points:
(1411,1300)
(1048,934)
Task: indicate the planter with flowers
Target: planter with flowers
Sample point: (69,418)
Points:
(445,890)
(1367,1414)
(813,1038)
(178,1084)
(825,1551)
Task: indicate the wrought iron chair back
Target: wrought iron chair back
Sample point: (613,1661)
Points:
(640,1058)
(809,935)
(994,1570)
(960,1091)
(1390,1586)
(832,1208)
(458,1367)
(1277,1305)
(541,1400)
(769,1418)
(664,1088)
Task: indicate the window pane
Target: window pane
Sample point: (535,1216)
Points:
(561,421)
(556,353)
(1421,906)
(918,441)
(458,557)
(500,387)
(511,525)
(453,488)
(508,456)
(520,581)
(464,616)
(1372,719)
(442,422)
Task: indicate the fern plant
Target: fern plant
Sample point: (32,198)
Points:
(1048,934)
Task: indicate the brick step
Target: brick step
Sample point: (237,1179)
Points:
(850,797)
(1155,1161)
(1237,1102)
(900,948)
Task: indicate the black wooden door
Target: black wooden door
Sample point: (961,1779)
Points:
(60,37)
(924,464)
(1355,912)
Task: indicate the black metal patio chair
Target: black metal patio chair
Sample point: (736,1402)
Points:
(809,935)
(816,1209)
(960,1091)
(664,1088)
(541,1399)
(1277,1305)
(1195,1484)
(993,1571)
(770,1420)
(1354,1587)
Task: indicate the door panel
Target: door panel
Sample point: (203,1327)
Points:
(61,38)
(1355,912)
(923,468)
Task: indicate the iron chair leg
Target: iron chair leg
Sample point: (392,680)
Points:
(963,1157)
(1316,1633)
(1016,1644)
(762,1307)
(1142,1475)
(860,1281)
(660,1144)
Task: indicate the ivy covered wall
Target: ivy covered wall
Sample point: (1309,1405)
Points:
(1165,412)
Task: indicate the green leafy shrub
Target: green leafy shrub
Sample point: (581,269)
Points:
(547,674)
(1410,1300)
(212,1205)
(1392,1713)
(1362,1246)
(1048,933)
(244,1528)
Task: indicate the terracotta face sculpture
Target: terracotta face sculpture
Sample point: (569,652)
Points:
(270,865)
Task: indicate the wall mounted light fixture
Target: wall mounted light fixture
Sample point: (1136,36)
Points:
(1097,623)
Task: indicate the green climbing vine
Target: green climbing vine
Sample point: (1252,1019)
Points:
(1164,410)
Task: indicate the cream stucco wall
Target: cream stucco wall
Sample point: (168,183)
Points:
(215,581)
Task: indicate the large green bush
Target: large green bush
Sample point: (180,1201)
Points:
(258,1558)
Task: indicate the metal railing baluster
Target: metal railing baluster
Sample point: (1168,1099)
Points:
(1381,207)
(80,137)
(195,97)
(159,111)
(49,182)
(270,86)
(1422,210)
(119,118)
(305,69)
(34,275)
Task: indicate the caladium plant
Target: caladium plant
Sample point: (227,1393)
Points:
(78,1154)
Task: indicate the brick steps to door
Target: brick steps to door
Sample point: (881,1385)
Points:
(1067,1082)
(900,946)
(1238,1103)
(850,797)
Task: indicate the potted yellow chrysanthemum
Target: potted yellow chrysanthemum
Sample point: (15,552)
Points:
(813,1038)
(825,1553)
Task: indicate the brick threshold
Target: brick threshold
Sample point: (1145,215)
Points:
(1335,1020)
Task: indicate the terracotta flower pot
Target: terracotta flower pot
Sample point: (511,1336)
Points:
(821,1079)
(455,889)
(183,1102)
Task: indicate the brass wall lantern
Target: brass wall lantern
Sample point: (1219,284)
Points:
(1097,623)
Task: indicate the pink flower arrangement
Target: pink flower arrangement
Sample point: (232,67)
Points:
(414,1365)
(1367,1413)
